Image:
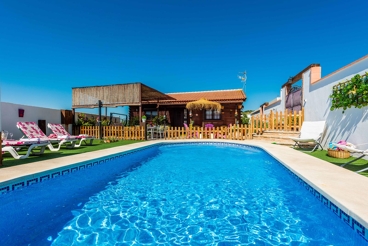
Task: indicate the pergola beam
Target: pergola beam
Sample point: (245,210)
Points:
(133,94)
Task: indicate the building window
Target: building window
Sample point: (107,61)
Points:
(212,115)
(216,114)
(150,114)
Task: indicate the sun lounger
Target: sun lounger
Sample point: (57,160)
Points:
(311,132)
(11,146)
(353,149)
(61,133)
(32,131)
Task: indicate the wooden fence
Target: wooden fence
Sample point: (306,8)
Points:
(236,132)
(119,132)
(278,121)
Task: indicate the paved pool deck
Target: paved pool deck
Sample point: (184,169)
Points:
(346,189)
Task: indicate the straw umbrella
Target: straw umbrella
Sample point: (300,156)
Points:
(203,103)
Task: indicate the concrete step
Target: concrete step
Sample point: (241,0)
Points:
(283,140)
(280,133)
(277,137)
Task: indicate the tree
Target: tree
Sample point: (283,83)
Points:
(244,116)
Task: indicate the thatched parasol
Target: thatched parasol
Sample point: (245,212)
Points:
(203,103)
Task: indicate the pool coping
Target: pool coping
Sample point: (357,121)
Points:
(342,191)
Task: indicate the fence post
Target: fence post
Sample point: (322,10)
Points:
(285,119)
(271,124)
(145,130)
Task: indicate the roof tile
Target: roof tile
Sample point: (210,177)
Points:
(218,96)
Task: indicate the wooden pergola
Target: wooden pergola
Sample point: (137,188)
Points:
(132,94)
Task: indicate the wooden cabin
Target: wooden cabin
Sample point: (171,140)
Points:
(176,113)
(144,100)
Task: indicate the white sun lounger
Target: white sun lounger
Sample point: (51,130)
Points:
(11,146)
(311,132)
(62,134)
(351,149)
(32,131)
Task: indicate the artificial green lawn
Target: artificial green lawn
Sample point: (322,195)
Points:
(357,165)
(97,145)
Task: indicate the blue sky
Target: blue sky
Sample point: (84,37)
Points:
(48,47)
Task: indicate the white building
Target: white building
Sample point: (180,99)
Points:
(351,126)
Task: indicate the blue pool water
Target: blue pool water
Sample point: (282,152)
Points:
(181,194)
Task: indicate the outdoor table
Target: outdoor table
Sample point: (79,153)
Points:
(151,130)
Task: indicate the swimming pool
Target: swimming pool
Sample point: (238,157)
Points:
(173,194)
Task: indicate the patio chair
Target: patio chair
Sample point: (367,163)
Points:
(161,131)
(311,132)
(32,131)
(12,146)
(353,149)
(61,133)
(151,130)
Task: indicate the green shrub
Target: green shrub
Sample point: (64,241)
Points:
(353,93)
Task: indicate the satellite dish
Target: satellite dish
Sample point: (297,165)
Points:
(243,78)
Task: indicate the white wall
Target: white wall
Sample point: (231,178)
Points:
(275,105)
(352,125)
(9,117)
(283,99)
(255,113)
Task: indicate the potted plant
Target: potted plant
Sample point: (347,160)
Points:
(191,123)
(106,140)
(144,118)
(110,139)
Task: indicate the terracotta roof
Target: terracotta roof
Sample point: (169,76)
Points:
(236,95)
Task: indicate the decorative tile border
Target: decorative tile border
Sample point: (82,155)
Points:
(18,185)
(355,225)
(4,189)
(32,181)
(44,176)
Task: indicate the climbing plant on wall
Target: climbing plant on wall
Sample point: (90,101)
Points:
(352,93)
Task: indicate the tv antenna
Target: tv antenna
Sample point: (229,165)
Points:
(243,78)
